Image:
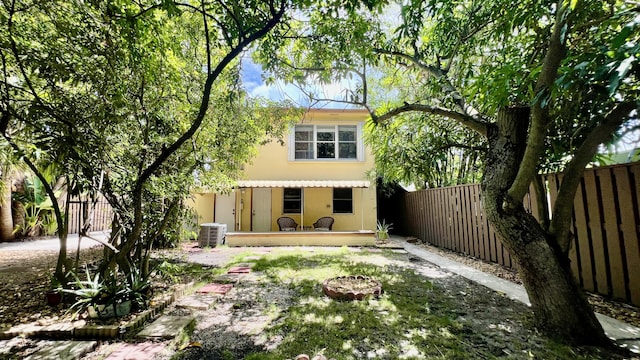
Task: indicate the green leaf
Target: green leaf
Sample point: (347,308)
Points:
(619,73)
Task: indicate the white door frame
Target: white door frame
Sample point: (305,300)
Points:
(225,210)
(261,210)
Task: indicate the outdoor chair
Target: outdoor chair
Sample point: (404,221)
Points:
(325,223)
(286,223)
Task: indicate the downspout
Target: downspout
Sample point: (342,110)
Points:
(361,209)
(302,209)
(240,208)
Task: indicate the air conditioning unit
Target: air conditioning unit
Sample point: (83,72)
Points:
(211,234)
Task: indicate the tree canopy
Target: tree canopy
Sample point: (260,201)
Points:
(133,99)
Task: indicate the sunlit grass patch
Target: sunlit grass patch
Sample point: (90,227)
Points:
(374,327)
(412,319)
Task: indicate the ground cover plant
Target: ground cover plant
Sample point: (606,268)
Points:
(280,311)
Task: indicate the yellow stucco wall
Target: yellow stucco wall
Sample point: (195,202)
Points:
(203,204)
(273,163)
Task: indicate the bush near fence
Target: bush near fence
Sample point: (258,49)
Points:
(605,254)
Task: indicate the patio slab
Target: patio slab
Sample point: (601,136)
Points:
(166,327)
(66,350)
(198,301)
(249,265)
(239,270)
(137,351)
(228,278)
(214,288)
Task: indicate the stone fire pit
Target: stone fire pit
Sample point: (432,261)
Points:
(354,287)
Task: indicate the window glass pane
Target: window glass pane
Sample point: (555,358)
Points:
(304,133)
(347,133)
(304,150)
(304,142)
(326,151)
(292,201)
(347,151)
(342,200)
(326,136)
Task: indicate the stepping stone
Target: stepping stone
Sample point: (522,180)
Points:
(227,278)
(221,289)
(64,350)
(252,258)
(398,251)
(167,327)
(239,270)
(198,301)
(139,351)
(249,265)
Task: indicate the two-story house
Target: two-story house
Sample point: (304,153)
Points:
(320,171)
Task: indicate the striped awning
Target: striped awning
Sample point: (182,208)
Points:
(304,184)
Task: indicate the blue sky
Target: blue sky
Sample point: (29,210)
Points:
(254,84)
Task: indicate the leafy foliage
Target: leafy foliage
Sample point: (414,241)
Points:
(132,99)
(37,206)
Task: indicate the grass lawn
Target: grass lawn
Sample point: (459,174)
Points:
(424,313)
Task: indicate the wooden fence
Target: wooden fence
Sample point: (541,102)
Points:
(81,210)
(605,256)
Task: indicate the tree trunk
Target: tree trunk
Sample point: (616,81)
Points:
(6,215)
(560,307)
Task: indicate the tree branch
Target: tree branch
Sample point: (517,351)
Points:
(204,105)
(561,221)
(540,107)
(476,124)
(438,73)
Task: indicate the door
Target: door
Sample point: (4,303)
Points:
(225,210)
(261,210)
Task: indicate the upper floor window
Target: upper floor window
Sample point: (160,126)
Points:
(327,142)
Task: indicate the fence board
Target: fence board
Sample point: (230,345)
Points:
(633,245)
(628,230)
(594,224)
(421,210)
(490,243)
(80,209)
(449,212)
(484,234)
(469,226)
(552,187)
(455,218)
(581,241)
(426,231)
(445,221)
(476,221)
(615,273)
(445,225)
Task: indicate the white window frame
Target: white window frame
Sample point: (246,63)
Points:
(359,143)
